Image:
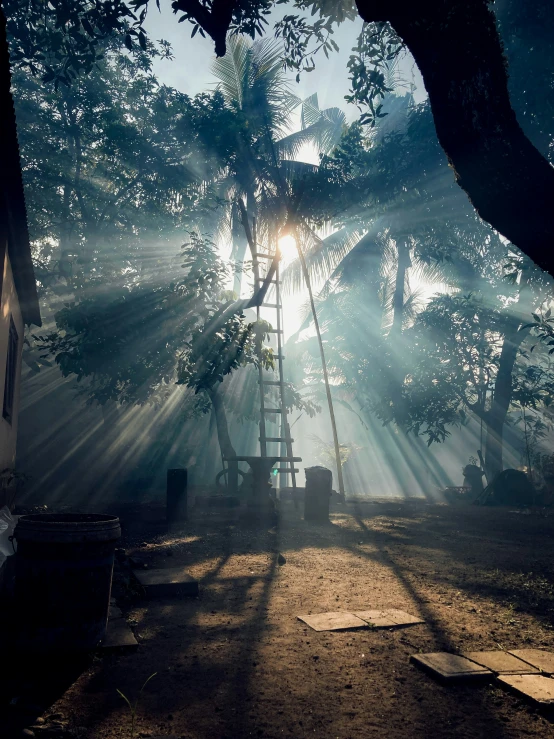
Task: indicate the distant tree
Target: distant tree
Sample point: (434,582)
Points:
(419,232)
(470,354)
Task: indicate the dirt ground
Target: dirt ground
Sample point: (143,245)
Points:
(236,662)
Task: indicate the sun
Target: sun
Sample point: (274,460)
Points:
(287,247)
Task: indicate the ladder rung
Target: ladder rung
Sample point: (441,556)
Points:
(279,356)
(282,470)
(274,331)
(270,305)
(270,410)
(264,256)
(270,382)
(276,438)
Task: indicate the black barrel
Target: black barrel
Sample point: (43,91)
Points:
(63,579)
(319,483)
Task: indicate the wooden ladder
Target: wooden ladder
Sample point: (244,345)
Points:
(284,438)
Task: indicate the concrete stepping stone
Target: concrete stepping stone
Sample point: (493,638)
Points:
(388,618)
(114,612)
(539,658)
(376,619)
(538,688)
(333,621)
(451,667)
(119,634)
(169,582)
(501,663)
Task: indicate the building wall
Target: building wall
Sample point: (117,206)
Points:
(9,305)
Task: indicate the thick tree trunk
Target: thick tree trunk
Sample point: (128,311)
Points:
(225,444)
(457,48)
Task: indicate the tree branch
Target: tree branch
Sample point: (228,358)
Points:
(459,53)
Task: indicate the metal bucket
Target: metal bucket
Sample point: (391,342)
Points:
(63,579)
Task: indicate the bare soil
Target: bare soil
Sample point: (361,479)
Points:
(236,662)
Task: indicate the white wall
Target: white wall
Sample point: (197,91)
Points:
(9,305)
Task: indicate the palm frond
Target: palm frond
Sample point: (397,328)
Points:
(231,70)
(322,256)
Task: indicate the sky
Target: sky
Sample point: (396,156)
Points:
(190,72)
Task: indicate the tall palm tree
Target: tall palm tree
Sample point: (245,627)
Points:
(263,164)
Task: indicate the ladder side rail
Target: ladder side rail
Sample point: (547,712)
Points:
(256,270)
(285,430)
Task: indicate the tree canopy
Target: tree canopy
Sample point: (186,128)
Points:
(454,42)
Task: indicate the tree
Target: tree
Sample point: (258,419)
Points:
(262,170)
(261,161)
(112,164)
(418,227)
(527,30)
(134,345)
(509,183)
(467,355)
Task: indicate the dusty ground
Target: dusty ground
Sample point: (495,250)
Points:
(235,662)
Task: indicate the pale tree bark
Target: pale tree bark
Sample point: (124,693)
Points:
(404,263)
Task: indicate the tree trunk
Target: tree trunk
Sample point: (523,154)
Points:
(395,333)
(225,444)
(496,415)
(238,254)
(404,264)
(323,365)
(457,48)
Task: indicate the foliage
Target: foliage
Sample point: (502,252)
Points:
(60,42)
(455,353)
(133,707)
(377,49)
(441,363)
(326,452)
(543,328)
(133,345)
(260,168)
(109,167)
(234,345)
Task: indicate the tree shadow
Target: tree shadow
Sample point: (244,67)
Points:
(206,650)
